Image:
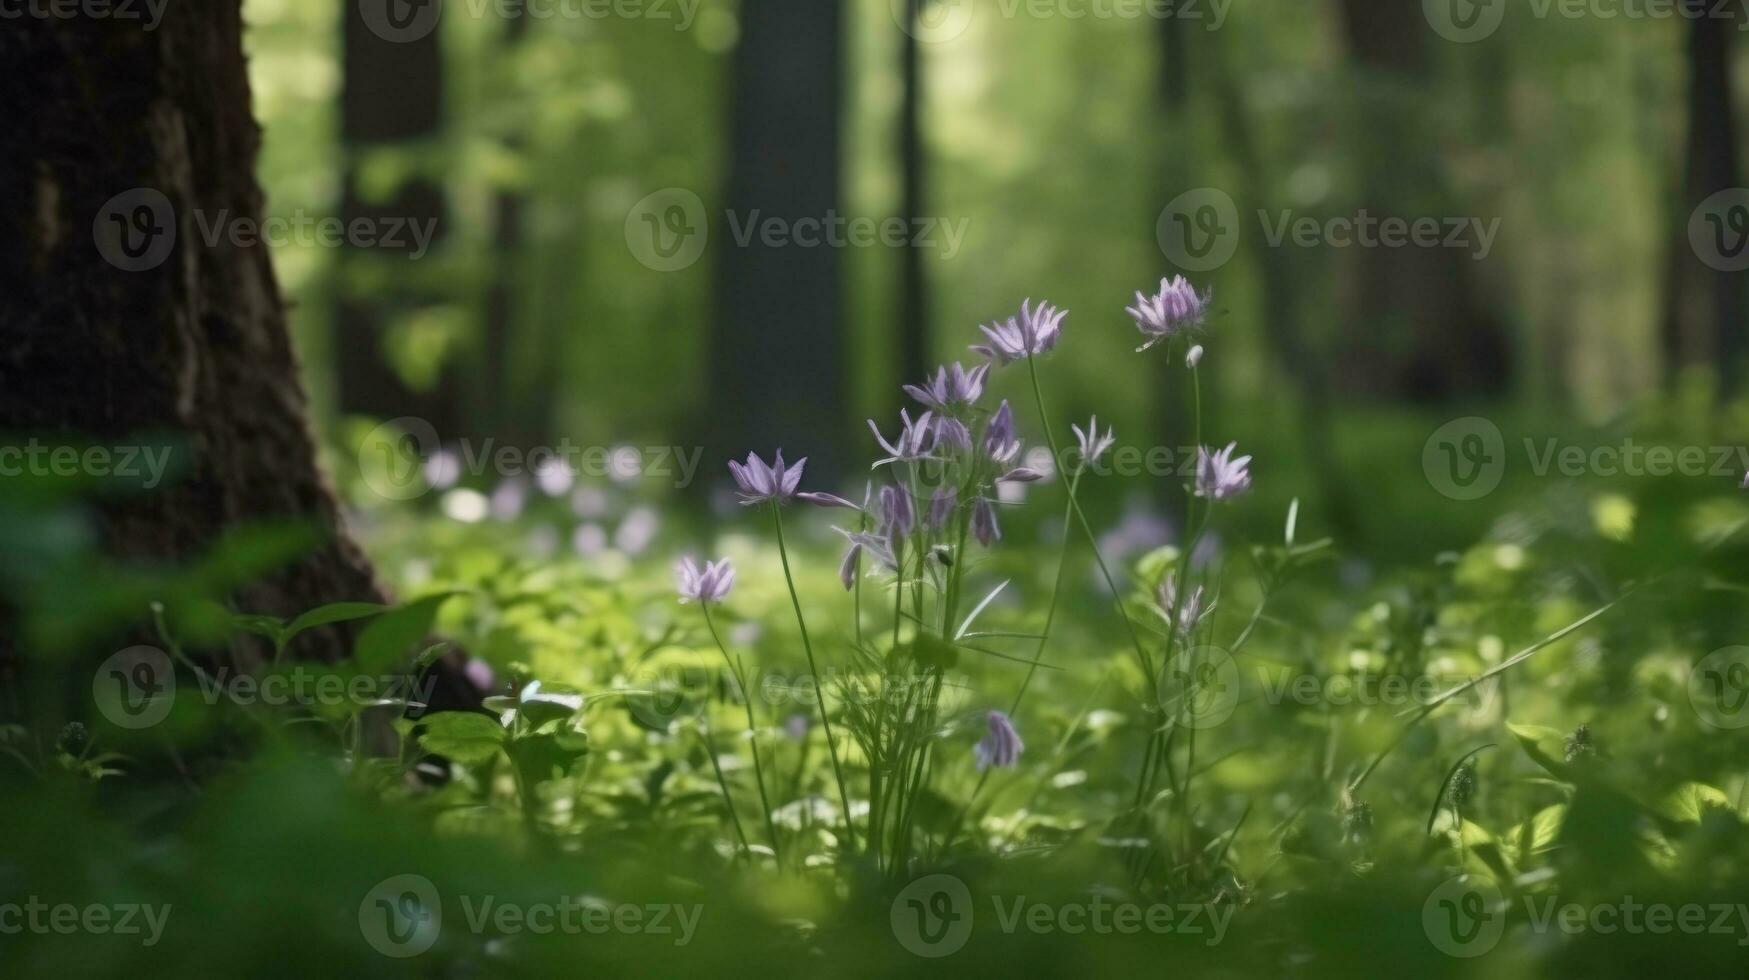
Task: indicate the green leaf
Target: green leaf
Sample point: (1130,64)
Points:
(1537,833)
(462,735)
(386,641)
(1544,745)
(334,612)
(1690,801)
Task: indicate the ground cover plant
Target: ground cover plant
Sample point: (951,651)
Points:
(699,488)
(931,720)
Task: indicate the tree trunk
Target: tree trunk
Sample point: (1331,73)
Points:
(1704,304)
(1419,329)
(777,372)
(1284,309)
(120,322)
(393,96)
(913,323)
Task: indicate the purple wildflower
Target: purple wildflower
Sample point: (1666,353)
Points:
(1034,331)
(1000,442)
(897,514)
(1094,443)
(1190,615)
(984,525)
(915,441)
(1174,309)
(1001,745)
(951,433)
(759,483)
(877,546)
(1219,475)
(941,507)
(709,584)
(952,388)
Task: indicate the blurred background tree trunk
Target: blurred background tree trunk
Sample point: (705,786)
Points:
(776,359)
(1704,306)
(1418,327)
(392,99)
(189,347)
(912,329)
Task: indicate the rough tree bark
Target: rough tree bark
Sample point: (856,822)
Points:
(191,339)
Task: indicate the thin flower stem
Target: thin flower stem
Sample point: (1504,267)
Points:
(1087,528)
(710,748)
(813,668)
(1051,610)
(740,673)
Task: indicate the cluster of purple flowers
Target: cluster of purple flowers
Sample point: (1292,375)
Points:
(948,461)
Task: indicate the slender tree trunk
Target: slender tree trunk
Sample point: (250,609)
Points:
(119,322)
(393,97)
(1704,305)
(1420,329)
(1284,312)
(777,373)
(519,369)
(913,324)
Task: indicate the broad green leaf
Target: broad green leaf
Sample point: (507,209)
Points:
(1544,745)
(334,612)
(388,641)
(462,735)
(1690,801)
